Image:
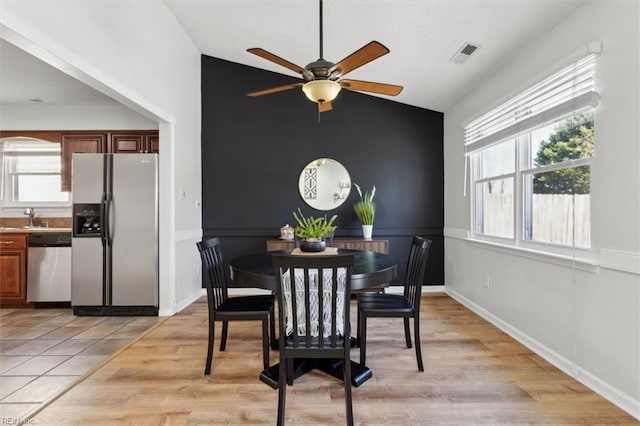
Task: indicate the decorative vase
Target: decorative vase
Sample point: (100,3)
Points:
(367,230)
(312,246)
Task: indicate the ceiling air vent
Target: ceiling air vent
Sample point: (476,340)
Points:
(464,52)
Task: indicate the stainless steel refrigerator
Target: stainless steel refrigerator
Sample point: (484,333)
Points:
(114,246)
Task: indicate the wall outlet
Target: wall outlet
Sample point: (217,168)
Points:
(487,281)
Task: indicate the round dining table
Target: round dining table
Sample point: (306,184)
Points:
(370,269)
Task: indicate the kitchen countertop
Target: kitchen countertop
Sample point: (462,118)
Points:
(30,229)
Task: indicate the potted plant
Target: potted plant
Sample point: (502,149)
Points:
(312,231)
(366,211)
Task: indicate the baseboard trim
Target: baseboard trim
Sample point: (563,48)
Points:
(398,289)
(183,303)
(604,389)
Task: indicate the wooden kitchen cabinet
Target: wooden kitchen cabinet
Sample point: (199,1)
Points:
(96,142)
(87,142)
(134,142)
(13,270)
(153,142)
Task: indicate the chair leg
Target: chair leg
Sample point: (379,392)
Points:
(358,326)
(212,328)
(347,390)
(362,328)
(416,325)
(407,332)
(272,321)
(290,372)
(223,338)
(265,343)
(282,390)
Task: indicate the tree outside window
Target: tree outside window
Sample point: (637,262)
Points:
(571,140)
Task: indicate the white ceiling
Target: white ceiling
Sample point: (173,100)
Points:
(25,80)
(421,34)
(422,37)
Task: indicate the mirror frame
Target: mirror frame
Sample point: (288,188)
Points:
(324,184)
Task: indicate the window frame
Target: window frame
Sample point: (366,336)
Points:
(9,174)
(489,133)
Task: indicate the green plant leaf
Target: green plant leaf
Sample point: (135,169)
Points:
(312,227)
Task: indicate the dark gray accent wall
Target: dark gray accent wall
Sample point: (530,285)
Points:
(253,150)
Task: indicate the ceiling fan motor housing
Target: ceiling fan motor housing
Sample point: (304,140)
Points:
(321,70)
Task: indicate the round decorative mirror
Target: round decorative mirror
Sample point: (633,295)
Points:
(324,184)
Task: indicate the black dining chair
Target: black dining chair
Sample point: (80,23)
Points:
(313,300)
(407,305)
(224,308)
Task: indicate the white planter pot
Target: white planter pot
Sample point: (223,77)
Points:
(367,231)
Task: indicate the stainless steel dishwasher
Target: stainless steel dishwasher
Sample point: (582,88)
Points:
(49,267)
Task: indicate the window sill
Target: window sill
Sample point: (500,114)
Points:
(581,263)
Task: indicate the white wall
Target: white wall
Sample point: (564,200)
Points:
(583,318)
(137,53)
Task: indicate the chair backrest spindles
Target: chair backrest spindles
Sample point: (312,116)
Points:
(216,282)
(416,266)
(318,280)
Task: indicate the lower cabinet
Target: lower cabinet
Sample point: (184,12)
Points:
(13,270)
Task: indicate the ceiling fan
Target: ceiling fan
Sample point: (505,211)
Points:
(322,79)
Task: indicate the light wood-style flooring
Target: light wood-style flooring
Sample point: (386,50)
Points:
(43,352)
(474,375)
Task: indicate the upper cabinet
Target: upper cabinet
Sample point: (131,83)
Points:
(134,142)
(130,141)
(92,143)
(153,142)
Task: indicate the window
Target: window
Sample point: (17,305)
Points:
(31,173)
(531,161)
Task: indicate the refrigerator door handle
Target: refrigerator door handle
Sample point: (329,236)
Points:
(107,220)
(103,219)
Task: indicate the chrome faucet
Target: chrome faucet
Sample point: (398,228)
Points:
(30,211)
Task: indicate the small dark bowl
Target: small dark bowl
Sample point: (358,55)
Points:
(312,246)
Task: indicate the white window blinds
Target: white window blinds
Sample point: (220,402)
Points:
(570,89)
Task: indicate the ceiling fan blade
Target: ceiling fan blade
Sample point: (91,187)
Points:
(276,59)
(362,56)
(274,90)
(369,86)
(324,107)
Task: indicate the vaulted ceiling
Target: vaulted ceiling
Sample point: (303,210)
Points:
(422,36)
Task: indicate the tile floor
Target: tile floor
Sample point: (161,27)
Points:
(45,351)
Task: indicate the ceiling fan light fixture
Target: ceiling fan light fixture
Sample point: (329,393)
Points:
(320,91)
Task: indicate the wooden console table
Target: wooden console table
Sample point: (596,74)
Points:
(377,245)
